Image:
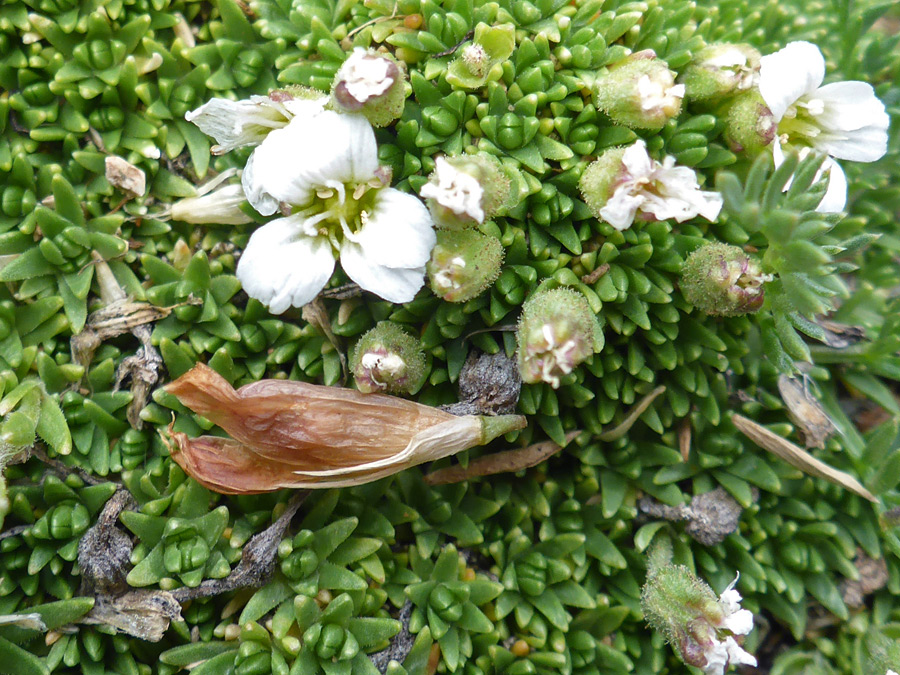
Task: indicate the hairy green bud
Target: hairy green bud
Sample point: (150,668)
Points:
(556,332)
(720,70)
(387,359)
(639,91)
(722,280)
(463,264)
(749,124)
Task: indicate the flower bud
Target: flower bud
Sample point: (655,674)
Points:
(749,124)
(639,92)
(722,280)
(463,264)
(719,70)
(219,207)
(465,190)
(701,627)
(371,84)
(387,359)
(491,46)
(556,332)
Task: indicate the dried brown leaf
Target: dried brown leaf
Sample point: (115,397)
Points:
(507,461)
(797,457)
(806,412)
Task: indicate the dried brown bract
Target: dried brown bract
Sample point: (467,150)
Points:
(797,457)
(292,434)
(806,412)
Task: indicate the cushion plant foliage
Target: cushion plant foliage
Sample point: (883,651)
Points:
(668,190)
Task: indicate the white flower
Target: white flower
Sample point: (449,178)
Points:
(660,93)
(890,672)
(364,75)
(738,621)
(722,653)
(323,169)
(844,120)
(661,190)
(235,124)
(455,190)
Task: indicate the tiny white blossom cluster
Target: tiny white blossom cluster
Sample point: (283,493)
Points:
(660,93)
(455,190)
(722,653)
(320,169)
(364,76)
(844,120)
(622,184)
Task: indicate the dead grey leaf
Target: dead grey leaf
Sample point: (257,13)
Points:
(840,335)
(806,412)
(104,556)
(33,621)
(144,614)
(125,176)
(797,457)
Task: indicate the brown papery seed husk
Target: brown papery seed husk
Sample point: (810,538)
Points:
(308,426)
(293,434)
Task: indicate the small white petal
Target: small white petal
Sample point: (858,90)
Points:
(737,656)
(314,152)
(620,209)
(282,267)
(835,198)
(237,123)
(395,284)
(636,160)
(863,145)
(716,659)
(851,105)
(730,599)
(399,231)
(255,190)
(788,74)
(890,672)
(740,622)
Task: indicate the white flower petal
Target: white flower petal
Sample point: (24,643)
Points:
(636,160)
(236,123)
(835,198)
(399,231)
(716,659)
(314,152)
(851,105)
(395,284)
(255,190)
(282,267)
(620,209)
(863,145)
(737,656)
(788,74)
(740,622)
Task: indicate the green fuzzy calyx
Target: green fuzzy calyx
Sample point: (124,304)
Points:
(463,264)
